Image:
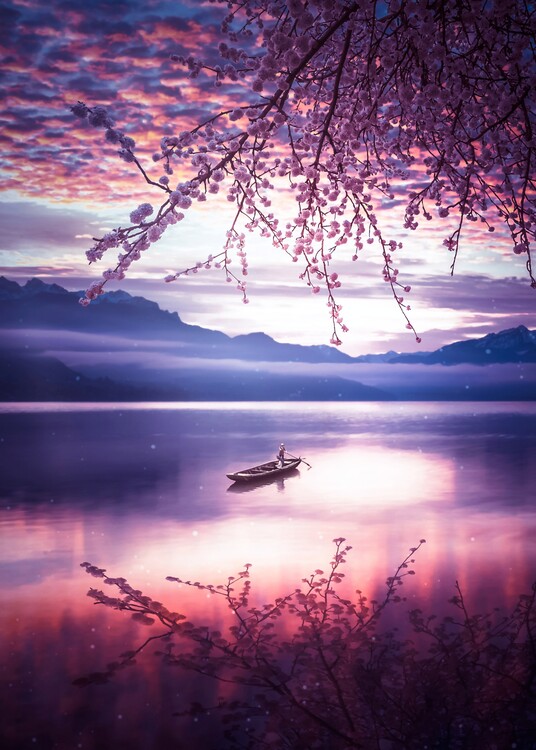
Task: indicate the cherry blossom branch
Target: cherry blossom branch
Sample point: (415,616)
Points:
(340,103)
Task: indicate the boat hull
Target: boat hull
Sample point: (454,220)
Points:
(265,471)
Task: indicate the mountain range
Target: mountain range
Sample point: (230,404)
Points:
(32,372)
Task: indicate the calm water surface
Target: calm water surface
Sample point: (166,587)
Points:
(141,490)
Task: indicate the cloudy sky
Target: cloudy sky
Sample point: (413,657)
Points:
(62,184)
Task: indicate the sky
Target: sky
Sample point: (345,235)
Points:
(62,185)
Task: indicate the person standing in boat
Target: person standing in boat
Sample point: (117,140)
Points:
(281,455)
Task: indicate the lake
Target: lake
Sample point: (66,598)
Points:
(140,489)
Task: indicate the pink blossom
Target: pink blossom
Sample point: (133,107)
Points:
(370,112)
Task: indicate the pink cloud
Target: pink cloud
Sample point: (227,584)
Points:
(112,54)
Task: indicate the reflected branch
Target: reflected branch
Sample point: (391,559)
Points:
(318,668)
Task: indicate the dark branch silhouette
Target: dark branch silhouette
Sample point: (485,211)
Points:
(316,669)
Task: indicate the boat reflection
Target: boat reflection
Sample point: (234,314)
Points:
(252,485)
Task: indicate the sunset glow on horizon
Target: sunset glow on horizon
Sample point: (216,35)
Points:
(63,184)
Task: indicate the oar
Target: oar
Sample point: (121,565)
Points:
(300,458)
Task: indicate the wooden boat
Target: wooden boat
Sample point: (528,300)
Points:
(265,471)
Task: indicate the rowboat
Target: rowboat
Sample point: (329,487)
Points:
(265,471)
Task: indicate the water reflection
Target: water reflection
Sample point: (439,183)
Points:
(144,493)
(252,486)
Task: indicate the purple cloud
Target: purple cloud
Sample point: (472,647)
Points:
(479,293)
(106,53)
(42,226)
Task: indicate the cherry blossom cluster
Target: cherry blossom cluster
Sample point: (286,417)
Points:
(98,117)
(346,106)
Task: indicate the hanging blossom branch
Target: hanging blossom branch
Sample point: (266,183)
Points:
(350,104)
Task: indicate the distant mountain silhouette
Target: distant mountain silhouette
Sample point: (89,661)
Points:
(48,306)
(28,373)
(34,377)
(262,348)
(513,345)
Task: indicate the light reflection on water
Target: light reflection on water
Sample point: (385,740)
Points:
(142,491)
